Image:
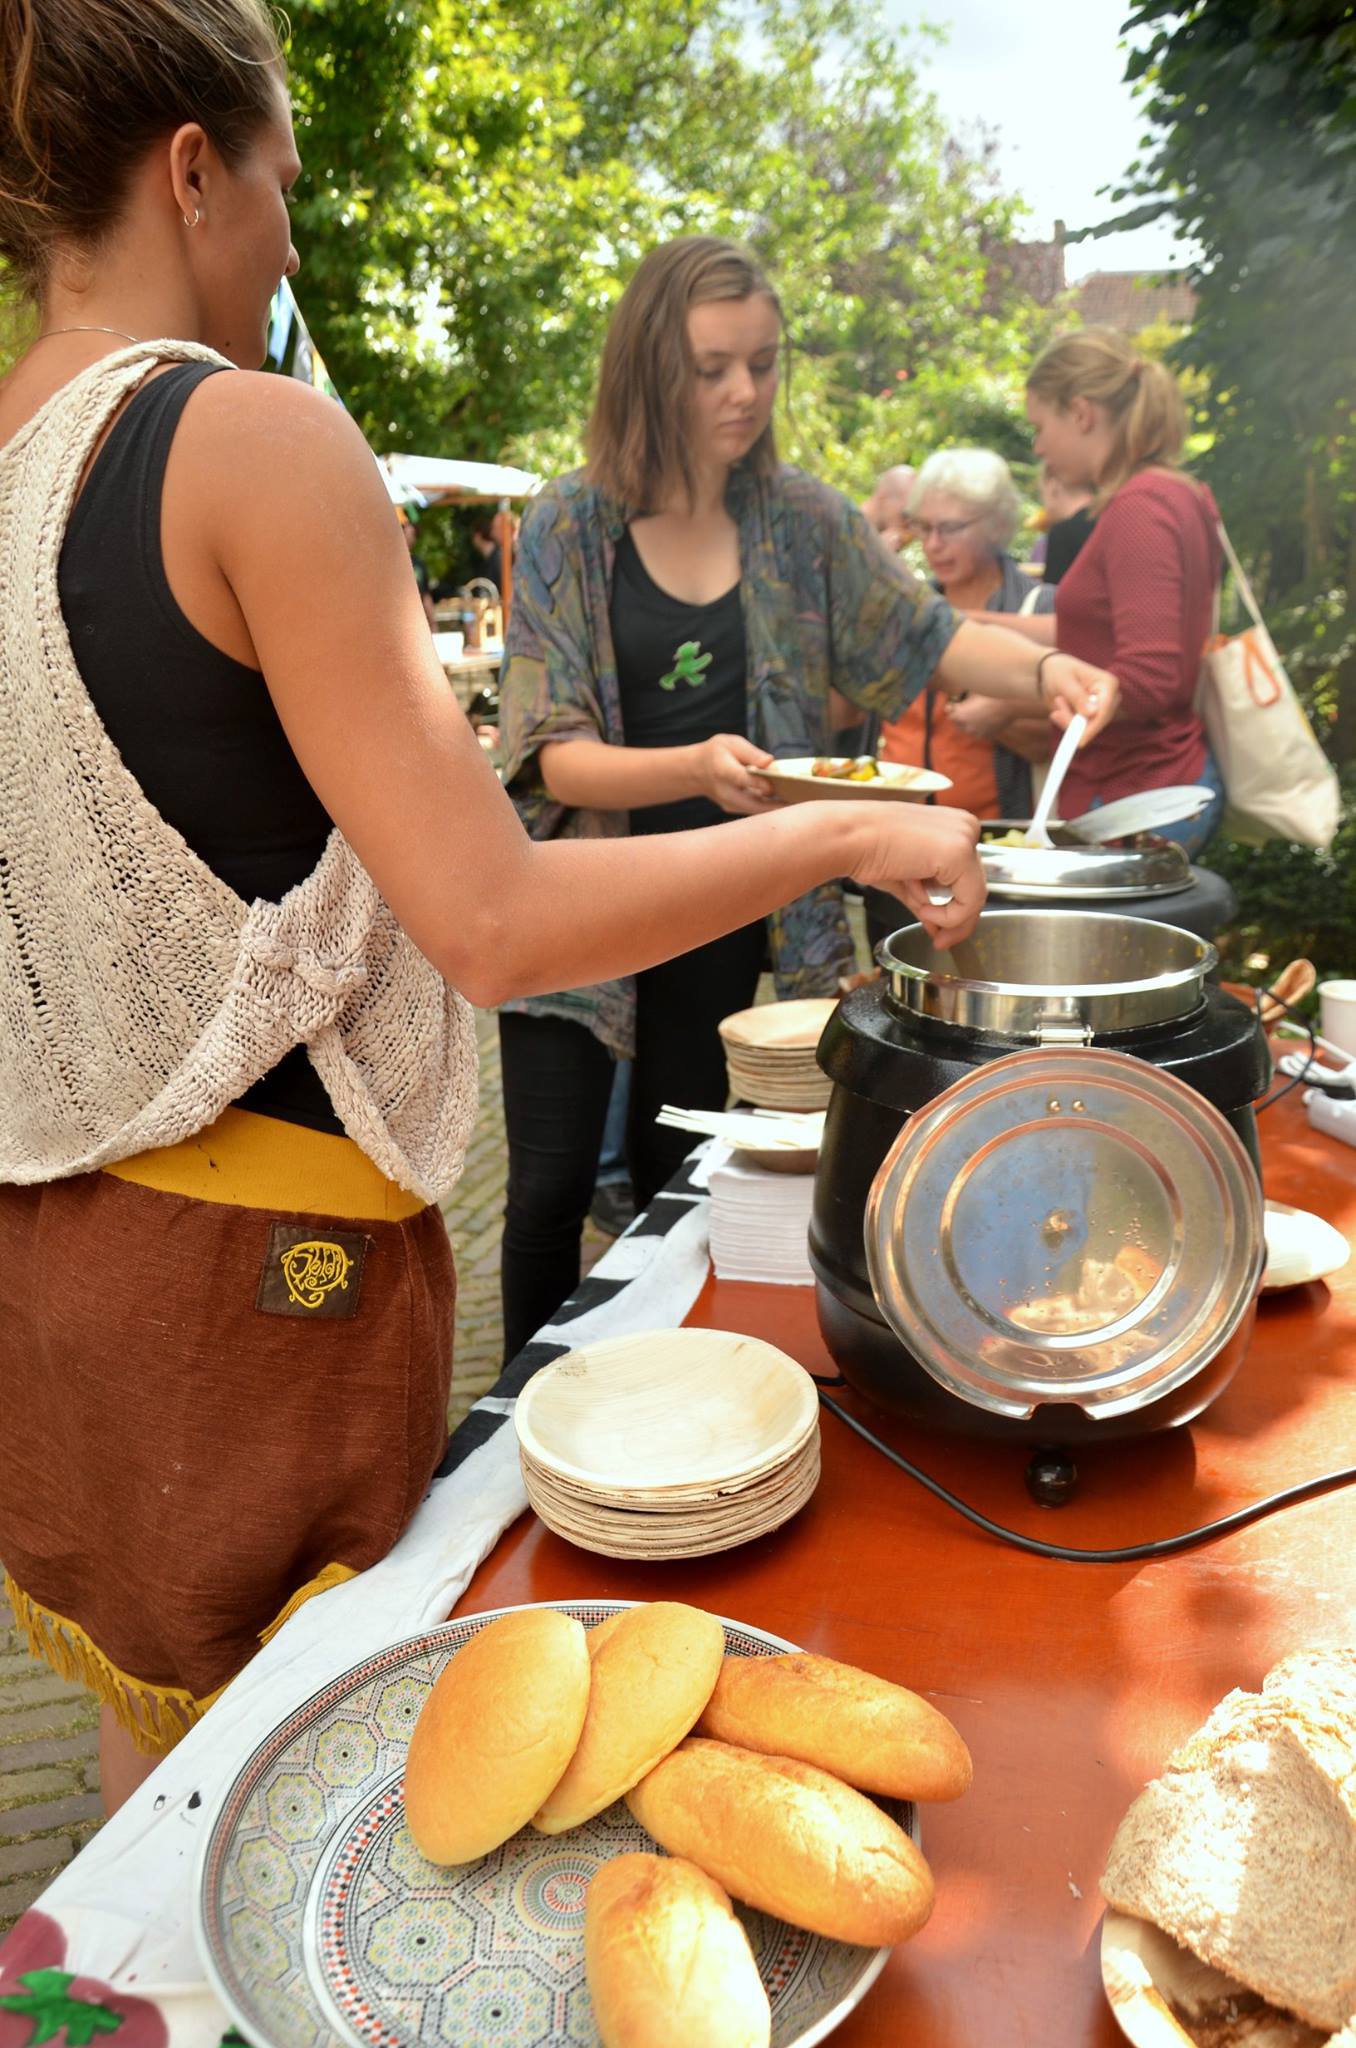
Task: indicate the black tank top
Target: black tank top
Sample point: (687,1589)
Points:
(196,728)
(681,675)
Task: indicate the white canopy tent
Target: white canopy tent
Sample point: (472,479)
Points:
(431,480)
(419,480)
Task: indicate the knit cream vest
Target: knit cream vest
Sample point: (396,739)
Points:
(139,995)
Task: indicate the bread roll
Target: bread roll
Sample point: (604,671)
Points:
(788,1839)
(1245,1849)
(495,1733)
(667,1961)
(652,1668)
(873,1734)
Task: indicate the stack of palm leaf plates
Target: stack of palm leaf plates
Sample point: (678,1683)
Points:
(674,1443)
(770,1053)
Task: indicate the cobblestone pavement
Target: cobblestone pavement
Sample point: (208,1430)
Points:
(49,1766)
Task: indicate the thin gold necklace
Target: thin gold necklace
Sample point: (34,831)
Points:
(48,333)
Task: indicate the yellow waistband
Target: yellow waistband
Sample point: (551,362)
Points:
(259,1162)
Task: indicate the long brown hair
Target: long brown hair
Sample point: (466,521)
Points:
(1142,401)
(638,434)
(86,87)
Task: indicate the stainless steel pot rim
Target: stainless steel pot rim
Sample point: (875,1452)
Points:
(1047,974)
(1061,989)
(1205,958)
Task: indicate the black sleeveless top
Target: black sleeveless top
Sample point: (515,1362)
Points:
(681,674)
(196,728)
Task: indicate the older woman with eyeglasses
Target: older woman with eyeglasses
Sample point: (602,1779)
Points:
(965,509)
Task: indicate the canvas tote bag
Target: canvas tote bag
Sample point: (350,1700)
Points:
(1278,781)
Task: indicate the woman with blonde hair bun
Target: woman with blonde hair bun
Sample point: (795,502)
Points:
(1139,597)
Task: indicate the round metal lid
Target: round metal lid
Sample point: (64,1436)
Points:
(1073,1226)
(1141,864)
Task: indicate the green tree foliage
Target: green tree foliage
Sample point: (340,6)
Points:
(447,231)
(1252,106)
(482,177)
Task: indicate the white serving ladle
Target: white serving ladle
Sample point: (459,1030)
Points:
(1036,834)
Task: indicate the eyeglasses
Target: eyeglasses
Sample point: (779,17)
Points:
(942,529)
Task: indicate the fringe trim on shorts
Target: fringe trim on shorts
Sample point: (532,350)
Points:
(155,1716)
(333,1575)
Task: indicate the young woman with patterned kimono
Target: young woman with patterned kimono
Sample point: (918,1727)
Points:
(685,609)
(253,863)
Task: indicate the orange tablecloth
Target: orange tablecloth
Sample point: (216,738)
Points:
(1070,1682)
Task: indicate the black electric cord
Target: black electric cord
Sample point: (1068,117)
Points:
(1294,1080)
(1130,1553)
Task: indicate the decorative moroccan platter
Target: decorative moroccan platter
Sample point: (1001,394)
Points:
(318,1920)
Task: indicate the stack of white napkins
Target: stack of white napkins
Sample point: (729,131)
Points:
(759,1222)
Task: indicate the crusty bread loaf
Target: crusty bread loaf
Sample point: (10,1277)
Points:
(495,1733)
(667,1961)
(652,1669)
(866,1731)
(1326,1676)
(787,1838)
(1245,1849)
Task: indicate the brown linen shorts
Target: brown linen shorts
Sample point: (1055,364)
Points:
(204,1411)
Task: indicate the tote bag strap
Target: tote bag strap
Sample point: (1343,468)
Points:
(1264,686)
(1236,567)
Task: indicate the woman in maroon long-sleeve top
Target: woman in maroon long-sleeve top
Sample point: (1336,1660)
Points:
(1138,600)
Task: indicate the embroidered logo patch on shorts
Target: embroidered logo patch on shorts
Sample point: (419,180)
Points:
(310,1274)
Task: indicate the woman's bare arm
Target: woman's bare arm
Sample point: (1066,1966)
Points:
(993,662)
(585,773)
(288,503)
(1037,626)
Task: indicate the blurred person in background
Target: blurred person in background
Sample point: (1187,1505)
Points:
(1066,523)
(887,508)
(1139,597)
(965,510)
(419,566)
(489,554)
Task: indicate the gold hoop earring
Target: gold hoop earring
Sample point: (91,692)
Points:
(197,216)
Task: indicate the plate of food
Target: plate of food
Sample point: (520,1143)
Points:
(1229,1882)
(814,776)
(369,1878)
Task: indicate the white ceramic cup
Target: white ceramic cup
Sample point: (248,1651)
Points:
(1337,1013)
